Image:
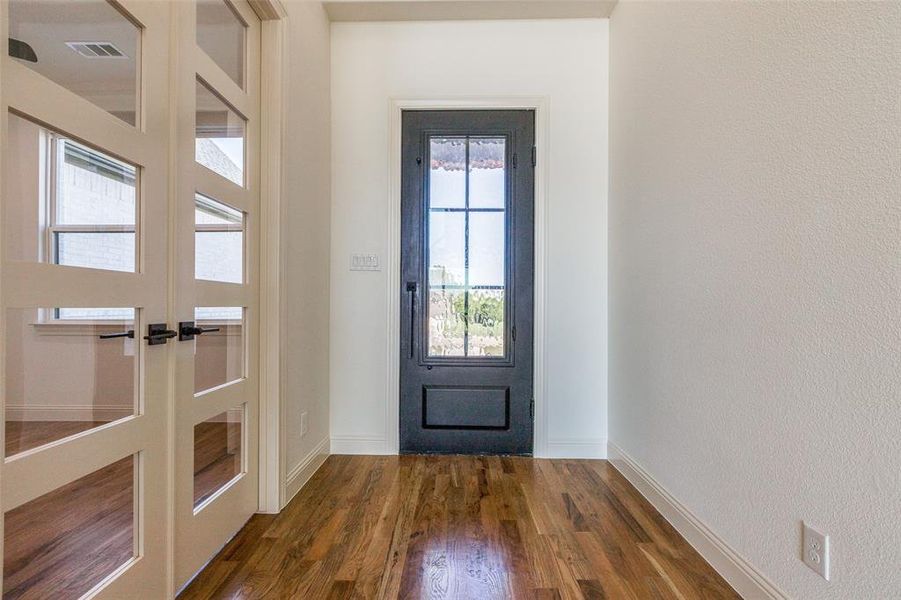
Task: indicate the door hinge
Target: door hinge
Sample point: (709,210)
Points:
(513,333)
(534,156)
(532,408)
(514,160)
(418,160)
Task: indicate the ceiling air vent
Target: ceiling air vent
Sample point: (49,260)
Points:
(96,49)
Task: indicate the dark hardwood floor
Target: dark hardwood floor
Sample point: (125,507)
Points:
(461,527)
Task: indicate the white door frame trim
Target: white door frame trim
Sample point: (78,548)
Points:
(272,445)
(540,105)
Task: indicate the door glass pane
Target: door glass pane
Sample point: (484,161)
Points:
(86,46)
(447,325)
(467,250)
(447,248)
(219,136)
(220,33)
(486,249)
(487,175)
(447,172)
(218,354)
(485,334)
(67,203)
(218,241)
(217,453)
(61,377)
(62,544)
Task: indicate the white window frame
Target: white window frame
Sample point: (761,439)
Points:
(52,154)
(54,157)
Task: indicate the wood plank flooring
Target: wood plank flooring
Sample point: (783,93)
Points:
(461,527)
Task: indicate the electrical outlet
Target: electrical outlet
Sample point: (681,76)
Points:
(816,551)
(303,424)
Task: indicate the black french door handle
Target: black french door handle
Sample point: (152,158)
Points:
(411,289)
(125,334)
(187,330)
(158,333)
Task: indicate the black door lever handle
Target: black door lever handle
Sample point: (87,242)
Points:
(158,333)
(125,334)
(187,330)
(411,289)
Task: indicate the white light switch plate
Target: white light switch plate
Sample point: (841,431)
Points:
(816,551)
(364,262)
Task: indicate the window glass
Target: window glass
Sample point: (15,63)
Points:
(86,46)
(218,241)
(221,33)
(67,203)
(218,136)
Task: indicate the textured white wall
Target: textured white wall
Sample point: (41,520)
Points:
(755,275)
(564,60)
(305,229)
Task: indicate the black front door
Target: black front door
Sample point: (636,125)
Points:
(467,281)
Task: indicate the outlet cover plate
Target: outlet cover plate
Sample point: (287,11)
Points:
(816,551)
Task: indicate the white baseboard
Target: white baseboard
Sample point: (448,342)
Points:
(741,575)
(576,448)
(68,412)
(301,473)
(359,444)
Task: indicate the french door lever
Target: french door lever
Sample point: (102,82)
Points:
(158,333)
(187,330)
(125,334)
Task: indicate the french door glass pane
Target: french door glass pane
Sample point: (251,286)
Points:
(220,33)
(67,203)
(467,247)
(218,456)
(219,354)
(218,136)
(90,381)
(218,241)
(95,55)
(62,544)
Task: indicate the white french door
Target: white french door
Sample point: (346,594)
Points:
(129,321)
(217,224)
(84,246)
